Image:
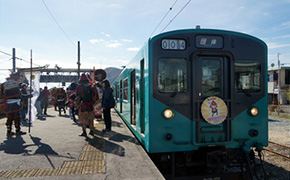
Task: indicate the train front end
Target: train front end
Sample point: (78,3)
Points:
(209,93)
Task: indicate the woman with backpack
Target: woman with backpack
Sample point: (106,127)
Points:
(85,99)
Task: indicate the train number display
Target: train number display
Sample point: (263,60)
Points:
(173,44)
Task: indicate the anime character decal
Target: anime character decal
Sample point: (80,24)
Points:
(214,110)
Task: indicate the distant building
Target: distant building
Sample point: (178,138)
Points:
(273,84)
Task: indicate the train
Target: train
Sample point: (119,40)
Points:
(196,99)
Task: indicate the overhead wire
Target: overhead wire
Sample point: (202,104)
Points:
(5,53)
(164,17)
(176,15)
(21,59)
(57,23)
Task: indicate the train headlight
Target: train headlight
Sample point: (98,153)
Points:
(168,114)
(253,111)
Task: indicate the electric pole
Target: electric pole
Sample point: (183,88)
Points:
(13,60)
(79,59)
(279,79)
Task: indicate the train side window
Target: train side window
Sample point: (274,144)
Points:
(118,91)
(247,76)
(172,75)
(125,87)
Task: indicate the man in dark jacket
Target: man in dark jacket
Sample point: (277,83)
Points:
(24,101)
(108,102)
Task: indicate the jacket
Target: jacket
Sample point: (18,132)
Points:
(108,99)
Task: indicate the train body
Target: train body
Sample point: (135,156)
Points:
(201,92)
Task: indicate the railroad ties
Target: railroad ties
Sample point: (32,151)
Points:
(278,149)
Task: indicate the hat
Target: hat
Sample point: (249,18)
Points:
(72,86)
(23,84)
(213,103)
(83,79)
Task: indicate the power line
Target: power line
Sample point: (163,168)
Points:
(5,53)
(57,23)
(164,17)
(18,58)
(176,15)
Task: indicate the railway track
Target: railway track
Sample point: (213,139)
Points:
(278,149)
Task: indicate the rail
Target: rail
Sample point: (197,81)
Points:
(278,149)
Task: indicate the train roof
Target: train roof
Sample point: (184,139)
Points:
(215,31)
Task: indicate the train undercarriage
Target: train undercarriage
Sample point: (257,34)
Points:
(210,163)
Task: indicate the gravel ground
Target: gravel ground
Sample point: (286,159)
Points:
(277,168)
(279,130)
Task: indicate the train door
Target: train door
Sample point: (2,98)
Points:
(133,99)
(121,95)
(142,97)
(212,80)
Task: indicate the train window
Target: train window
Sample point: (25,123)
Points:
(247,76)
(118,91)
(172,75)
(125,87)
(211,78)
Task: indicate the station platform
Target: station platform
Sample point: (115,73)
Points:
(53,150)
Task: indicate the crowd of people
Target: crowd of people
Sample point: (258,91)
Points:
(84,99)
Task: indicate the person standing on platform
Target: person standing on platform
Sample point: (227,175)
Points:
(61,98)
(11,95)
(46,95)
(38,105)
(54,98)
(108,102)
(85,99)
(24,101)
(71,98)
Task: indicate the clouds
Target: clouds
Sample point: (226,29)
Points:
(277,45)
(108,42)
(133,49)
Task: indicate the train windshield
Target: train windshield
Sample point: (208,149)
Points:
(172,75)
(211,78)
(247,76)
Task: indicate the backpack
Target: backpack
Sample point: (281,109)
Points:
(87,94)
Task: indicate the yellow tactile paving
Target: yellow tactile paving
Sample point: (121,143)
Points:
(5,174)
(71,164)
(72,170)
(91,161)
(47,172)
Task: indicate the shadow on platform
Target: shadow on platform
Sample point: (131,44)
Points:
(14,145)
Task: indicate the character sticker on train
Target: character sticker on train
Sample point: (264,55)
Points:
(214,110)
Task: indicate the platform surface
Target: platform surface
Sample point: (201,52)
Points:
(53,150)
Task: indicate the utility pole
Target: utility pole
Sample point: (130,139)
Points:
(14,60)
(279,79)
(79,59)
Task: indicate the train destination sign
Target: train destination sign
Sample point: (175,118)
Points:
(173,44)
(211,42)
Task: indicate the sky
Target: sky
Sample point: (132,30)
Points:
(111,32)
